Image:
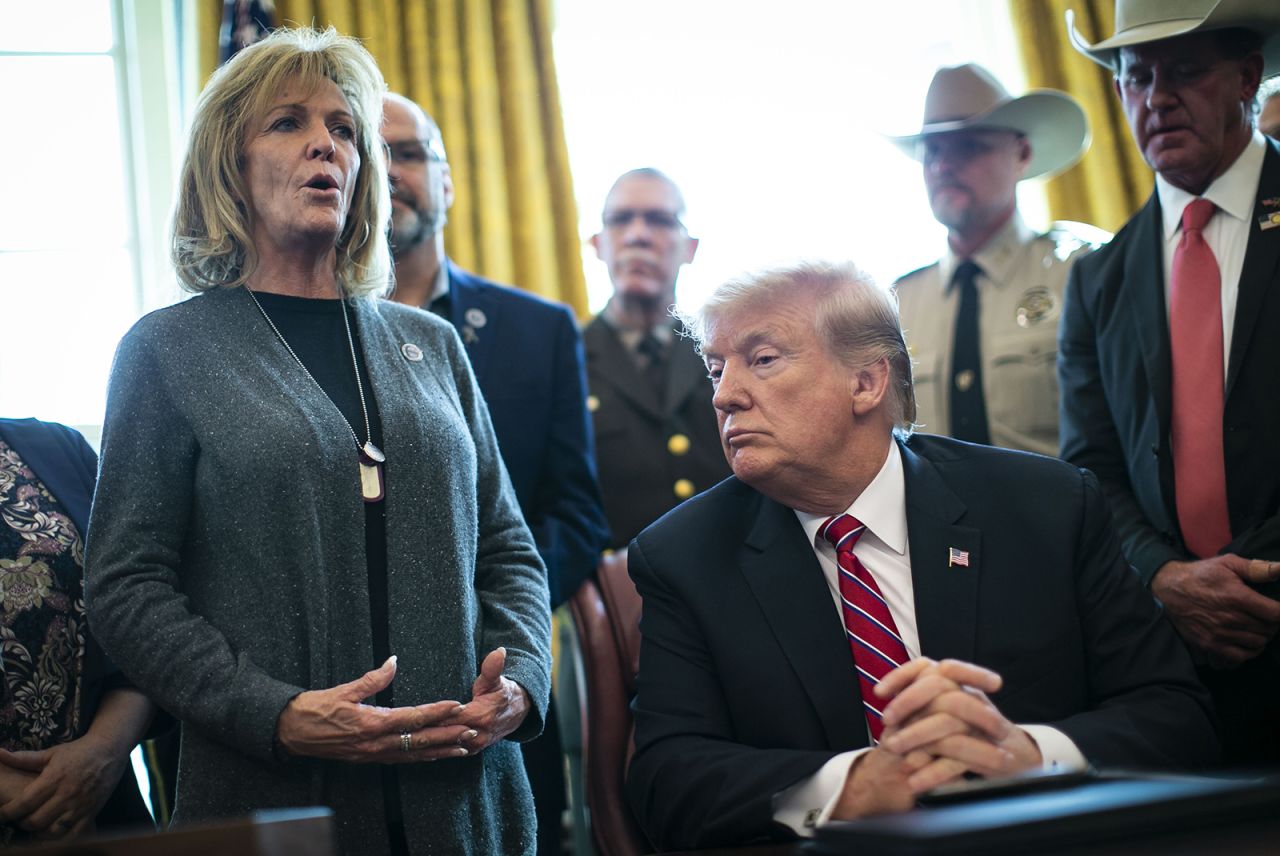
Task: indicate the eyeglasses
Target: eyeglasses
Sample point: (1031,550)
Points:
(963,147)
(654,218)
(414,152)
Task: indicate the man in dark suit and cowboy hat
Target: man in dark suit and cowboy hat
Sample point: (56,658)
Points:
(1170,346)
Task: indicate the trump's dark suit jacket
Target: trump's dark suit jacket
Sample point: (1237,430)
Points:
(527,356)
(746,683)
(1115,379)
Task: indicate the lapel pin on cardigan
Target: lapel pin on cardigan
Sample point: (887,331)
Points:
(411,352)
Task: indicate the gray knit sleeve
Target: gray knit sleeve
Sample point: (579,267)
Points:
(138,533)
(511,580)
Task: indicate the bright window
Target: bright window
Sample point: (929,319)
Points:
(769,116)
(90,89)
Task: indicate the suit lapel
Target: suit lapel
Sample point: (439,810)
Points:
(1261,264)
(475,316)
(605,349)
(783,573)
(1144,291)
(946,591)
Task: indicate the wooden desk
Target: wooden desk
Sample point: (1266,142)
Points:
(1110,815)
(280,832)
(1261,838)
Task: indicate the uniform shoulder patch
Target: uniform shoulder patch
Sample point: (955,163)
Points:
(914,273)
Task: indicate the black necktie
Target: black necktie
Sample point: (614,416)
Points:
(651,349)
(968,405)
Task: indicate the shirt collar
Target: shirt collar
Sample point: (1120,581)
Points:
(630,339)
(996,257)
(881,507)
(1234,192)
(441,286)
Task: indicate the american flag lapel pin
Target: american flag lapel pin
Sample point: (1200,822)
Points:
(957,558)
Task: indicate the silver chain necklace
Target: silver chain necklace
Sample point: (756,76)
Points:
(372,485)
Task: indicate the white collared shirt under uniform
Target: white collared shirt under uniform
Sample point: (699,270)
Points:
(631,338)
(885,552)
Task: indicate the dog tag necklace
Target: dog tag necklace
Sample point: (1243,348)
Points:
(372,482)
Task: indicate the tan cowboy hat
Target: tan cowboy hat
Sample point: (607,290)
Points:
(1142,21)
(967,97)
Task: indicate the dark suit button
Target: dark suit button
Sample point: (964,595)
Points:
(1155,449)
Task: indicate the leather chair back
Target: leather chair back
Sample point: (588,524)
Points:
(606,616)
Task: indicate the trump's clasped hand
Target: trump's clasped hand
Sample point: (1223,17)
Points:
(939,725)
(336,723)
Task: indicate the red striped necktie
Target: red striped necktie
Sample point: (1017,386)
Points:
(1195,339)
(873,637)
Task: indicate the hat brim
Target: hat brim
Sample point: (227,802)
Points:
(1225,15)
(1053,123)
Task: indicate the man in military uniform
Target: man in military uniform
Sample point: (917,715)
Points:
(982,321)
(656,437)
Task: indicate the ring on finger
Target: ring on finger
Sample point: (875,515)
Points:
(406,742)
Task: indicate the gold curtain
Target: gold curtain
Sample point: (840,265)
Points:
(1111,181)
(484,70)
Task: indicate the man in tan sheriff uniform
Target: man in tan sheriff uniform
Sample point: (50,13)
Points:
(982,321)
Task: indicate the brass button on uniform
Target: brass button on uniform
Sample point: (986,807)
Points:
(593,404)
(678,444)
(684,488)
(964,380)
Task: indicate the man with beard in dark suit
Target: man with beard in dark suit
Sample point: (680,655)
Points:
(1170,347)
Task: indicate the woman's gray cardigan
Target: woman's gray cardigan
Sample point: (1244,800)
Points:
(227,573)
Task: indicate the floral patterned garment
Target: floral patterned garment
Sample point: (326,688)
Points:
(42,622)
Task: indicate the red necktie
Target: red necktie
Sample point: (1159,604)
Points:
(1195,338)
(873,637)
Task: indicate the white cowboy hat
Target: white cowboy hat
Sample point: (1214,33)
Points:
(967,97)
(1142,21)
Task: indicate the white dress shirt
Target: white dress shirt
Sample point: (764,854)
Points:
(885,552)
(1226,233)
(440,283)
